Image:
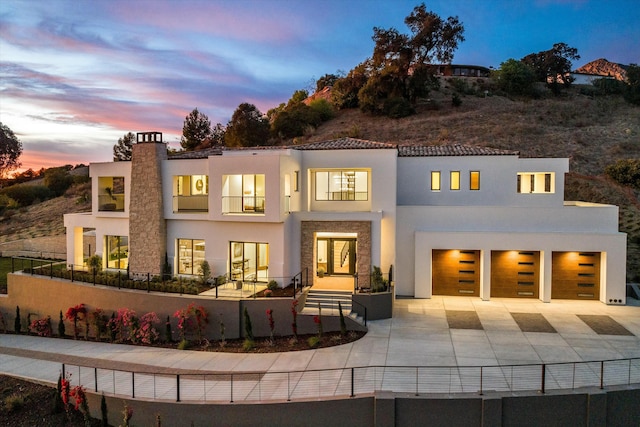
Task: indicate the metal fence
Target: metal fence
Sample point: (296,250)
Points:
(351,382)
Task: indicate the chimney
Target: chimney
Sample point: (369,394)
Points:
(147,226)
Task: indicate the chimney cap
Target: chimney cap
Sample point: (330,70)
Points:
(149,137)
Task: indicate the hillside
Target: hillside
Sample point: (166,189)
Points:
(602,67)
(592,133)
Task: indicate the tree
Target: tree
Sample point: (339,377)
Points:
(553,66)
(397,57)
(195,130)
(247,127)
(632,91)
(515,77)
(327,80)
(10,150)
(122,150)
(58,180)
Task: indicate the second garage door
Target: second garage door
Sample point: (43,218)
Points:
(515,274)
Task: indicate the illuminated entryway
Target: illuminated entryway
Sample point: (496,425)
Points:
(336,254)
(515,274)
(575,275)
(342,249)
(456,272)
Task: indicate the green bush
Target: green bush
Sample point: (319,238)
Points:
(26,195)
(625,172)
(397,107)
(272,285)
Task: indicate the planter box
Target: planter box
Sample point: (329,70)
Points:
(379,305)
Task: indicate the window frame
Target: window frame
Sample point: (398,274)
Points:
(189,252)
(436,185)
(346,194)
(453,180)
(473,187)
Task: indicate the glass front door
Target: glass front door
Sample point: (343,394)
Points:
(336,256)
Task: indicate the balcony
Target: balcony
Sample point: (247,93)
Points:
(243,204)
(111,203)
(191,204)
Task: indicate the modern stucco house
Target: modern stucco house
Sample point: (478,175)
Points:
(451,220)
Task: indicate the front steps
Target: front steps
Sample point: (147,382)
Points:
(328,300)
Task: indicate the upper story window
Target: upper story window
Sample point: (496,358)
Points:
(455,180)
(474,180)
(111,193)
(536,182)
(190,193)
(435,180)
(342,185)
(243,193)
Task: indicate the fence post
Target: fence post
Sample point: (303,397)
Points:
(601,374)
(148,278)
(63,371)
(178,388)
(71,273)
(133,385)
(544,367)
(232,390)
(352,382)
(416,372)
(51,266)
(95,378)
(480,380)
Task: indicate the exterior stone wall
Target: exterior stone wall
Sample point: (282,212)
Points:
(147,226)
(363,256)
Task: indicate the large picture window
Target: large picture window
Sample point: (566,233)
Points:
(342,185)
(190,256)
(249,261)
(243,193)
(536,182)
(190,193)
(117,251)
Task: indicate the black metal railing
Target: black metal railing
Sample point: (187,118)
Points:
(261,386)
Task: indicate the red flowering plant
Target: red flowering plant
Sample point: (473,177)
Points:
(147,333)
(124,325)
(74,314)
(272,325)
(191,319)
(42,327)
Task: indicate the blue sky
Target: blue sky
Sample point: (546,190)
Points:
(77,75)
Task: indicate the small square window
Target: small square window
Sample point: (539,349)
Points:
(435,180)
(474,180)
(455,180)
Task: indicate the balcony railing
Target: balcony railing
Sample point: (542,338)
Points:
(107,203)
(243,204)
(199,203)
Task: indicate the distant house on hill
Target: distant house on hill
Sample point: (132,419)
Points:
(457,70)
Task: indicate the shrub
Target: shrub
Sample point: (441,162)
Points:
(17,325)
(26,195)
(272,285)
(248,328)
(61,328)
(397,107)
(191,319)
(123,325)
(42,327)
(313,341)
(74,314)
(13,402)
(455,100)
(147,333)
(625,172)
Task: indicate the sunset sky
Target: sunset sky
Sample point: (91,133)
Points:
(77,75)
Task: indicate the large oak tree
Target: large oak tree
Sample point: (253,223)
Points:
(10,150)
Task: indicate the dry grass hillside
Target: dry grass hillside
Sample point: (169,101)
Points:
(591,132)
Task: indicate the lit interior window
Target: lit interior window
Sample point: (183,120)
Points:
(435,180)
(474,180)
(455,180)
(536,182)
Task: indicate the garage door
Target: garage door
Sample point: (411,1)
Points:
(456,272)
(515,274)
(575,275)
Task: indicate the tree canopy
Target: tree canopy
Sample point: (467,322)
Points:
(247,127)
(515,77)
(10,150)
(196,131)
(632,91)
(122,149)
(553,66)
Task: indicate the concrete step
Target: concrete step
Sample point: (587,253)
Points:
(328,300)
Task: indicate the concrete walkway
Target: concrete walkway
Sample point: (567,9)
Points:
(423,332)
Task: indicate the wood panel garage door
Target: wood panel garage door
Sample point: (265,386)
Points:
(515,274)
(575,275)
(456,272)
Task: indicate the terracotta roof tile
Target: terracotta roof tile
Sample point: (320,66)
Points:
(450,150)
(345,144)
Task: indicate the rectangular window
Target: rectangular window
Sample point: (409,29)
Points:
(243,193)
(342,185)
(296,181)
(190,256)
(111,193)
(474,180)
(435,180)
(455,180)
(191,193)
(536,182)
(117,252)
(249,261)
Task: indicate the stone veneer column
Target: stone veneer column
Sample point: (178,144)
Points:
(363,242)
(147,226)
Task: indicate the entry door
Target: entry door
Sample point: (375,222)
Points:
(338,255)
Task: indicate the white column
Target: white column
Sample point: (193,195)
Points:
(485,275)
(545,276)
